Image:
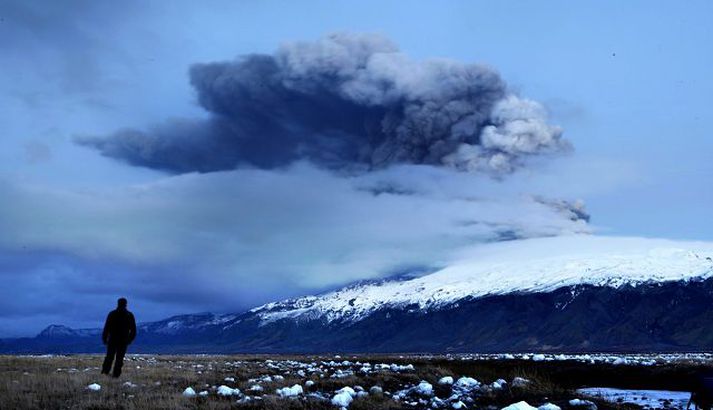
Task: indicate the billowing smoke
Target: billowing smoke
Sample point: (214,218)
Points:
(344,101)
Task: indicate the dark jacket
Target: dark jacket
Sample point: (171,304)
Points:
(120,327)
(702,394)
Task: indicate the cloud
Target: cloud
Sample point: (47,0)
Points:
(229,240)
(324,163)
(344,101)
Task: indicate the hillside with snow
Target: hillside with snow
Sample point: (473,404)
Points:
(570,294)
(532,265)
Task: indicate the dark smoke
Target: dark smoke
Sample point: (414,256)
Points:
(344,101)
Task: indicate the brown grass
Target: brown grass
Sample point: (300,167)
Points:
(61,382)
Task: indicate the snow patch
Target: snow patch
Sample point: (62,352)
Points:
(94,387)
(293,391)
(521,405)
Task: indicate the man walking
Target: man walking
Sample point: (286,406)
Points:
(119,332)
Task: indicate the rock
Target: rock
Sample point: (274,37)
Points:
(519,382)
(376,391)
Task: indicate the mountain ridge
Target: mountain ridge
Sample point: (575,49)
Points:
(596,283)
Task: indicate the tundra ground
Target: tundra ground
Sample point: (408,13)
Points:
(258,382)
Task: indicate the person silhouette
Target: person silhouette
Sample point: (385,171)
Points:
(702,392)
(119,332)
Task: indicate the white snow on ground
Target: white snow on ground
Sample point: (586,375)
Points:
(343,397)
(94,387)
(585,404)
(521,405)
(459,393)
(654,399)
(466,384)
(424,388)
(498,384)
(531,265)
(293,391)
(228,391)
(641,359)
(446,380)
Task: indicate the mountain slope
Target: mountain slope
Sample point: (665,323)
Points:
(573,293)
(533,265)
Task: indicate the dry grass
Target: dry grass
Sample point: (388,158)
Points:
(61,382)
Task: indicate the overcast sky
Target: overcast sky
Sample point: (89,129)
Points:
(356,140)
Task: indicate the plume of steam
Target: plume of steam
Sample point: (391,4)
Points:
(344,101)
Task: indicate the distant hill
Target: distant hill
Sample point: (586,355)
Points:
(574,293)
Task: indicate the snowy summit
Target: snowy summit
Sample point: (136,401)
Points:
(533,265)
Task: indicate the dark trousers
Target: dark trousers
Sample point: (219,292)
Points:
(112,350)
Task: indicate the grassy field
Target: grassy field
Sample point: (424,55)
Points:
(157,382)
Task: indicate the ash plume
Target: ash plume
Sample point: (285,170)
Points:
(346,101)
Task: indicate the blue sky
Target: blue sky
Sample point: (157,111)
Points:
(628,82)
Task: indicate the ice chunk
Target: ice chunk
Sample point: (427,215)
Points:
(466,384)
(583,403)
(446,380)
(347,390)
(498,384)
(94,387)
(224,390)
(521,405)
(293,391)
(342,399)
(424,388)
(189,392)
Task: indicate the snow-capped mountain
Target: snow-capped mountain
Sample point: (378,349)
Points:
(567,293)
(60,331)
(532,265)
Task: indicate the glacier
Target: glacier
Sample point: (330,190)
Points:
(529,265)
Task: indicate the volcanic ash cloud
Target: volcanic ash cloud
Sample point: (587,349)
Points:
(346,101)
